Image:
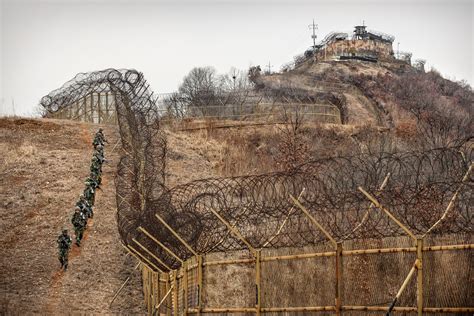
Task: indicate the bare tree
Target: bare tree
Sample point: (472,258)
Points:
(200,86)
(293,148)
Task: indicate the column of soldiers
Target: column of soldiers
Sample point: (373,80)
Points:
(84,206)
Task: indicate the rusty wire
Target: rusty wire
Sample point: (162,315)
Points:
(258,206)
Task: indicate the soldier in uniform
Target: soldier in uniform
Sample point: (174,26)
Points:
(64,244)
(85,207)
(99,155)
(96,171)
(100,134)
(89,191)
(79,221)
(99,139)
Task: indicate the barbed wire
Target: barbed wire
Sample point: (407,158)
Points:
(419,187)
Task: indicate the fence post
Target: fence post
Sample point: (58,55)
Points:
(419,277)
(156,290)
(99,106)
(258,300)
(200,275)
(150,290)
(185,288)
(176,234)
(107,107)
(175,293)
(151,254)
(168,290)
(91,120)
(160,244)
(389,214)
(338,300)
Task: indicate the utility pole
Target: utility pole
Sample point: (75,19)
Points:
(314,27)
(398,50)
(269,68)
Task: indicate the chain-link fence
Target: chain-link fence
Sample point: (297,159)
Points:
(356,278)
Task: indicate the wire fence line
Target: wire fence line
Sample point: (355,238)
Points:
(98,104)
(164,226)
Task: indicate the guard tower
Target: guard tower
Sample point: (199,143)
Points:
(360,32)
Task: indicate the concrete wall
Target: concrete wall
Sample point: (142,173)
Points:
(382,50)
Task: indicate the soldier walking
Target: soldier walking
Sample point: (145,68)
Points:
(79,221)
(89,191)
(64,244)
(85,207)
(99,138)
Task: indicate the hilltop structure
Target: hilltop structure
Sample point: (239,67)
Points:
(363,44)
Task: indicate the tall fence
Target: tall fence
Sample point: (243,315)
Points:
(409,274)
(330,280)
(100,107)
(93,108)
(341,199)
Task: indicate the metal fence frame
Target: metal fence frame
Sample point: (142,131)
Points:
(171,289)
(168,290)
(100,108)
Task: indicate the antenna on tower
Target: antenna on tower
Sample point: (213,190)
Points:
(269,68)
(314,27)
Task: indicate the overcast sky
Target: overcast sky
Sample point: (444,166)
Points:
(45,43)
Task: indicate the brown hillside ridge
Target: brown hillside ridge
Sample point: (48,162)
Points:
(382,93)
(43,167)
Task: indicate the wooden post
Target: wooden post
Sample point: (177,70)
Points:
(123,285)
(234,231)
(371,206)
(338,300)
(155,290)
(258,303)
(185,288)
(419,277)
(160,244)
(175,293)
(157,307)
(176,234)
(150,292)
(145,259)
(168,289)
(393,218)
(314,221)
(200,277)
(402,288)
(453,199)
(151,254)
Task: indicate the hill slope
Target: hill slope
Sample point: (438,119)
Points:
(43,172)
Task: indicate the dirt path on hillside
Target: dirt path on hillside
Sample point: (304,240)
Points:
(44,172)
